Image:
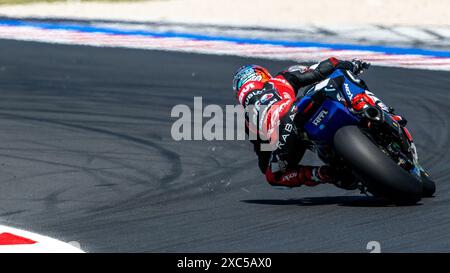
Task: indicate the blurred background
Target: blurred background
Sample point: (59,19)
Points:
(260,12)
(406,23)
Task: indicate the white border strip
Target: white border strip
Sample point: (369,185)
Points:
(43,244)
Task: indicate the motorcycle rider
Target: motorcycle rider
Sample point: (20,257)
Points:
(254,86)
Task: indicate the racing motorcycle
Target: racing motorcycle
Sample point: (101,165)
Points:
(368,147)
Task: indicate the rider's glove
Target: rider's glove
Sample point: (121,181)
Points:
(359,66)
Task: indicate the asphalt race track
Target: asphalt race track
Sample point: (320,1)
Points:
(86,155)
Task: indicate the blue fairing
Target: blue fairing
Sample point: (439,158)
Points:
(332,114)
(349,88)
(327,120)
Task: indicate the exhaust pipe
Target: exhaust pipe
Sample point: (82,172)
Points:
(373,113)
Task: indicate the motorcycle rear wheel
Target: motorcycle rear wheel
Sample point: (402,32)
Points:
(382,176)
(429,187)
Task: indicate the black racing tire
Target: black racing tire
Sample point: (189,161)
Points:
(429,187)
(382,176)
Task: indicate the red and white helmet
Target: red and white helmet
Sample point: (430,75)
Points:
(248,73)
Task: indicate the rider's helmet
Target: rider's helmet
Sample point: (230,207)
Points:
(249,73)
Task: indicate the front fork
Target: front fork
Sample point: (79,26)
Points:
(417,170)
